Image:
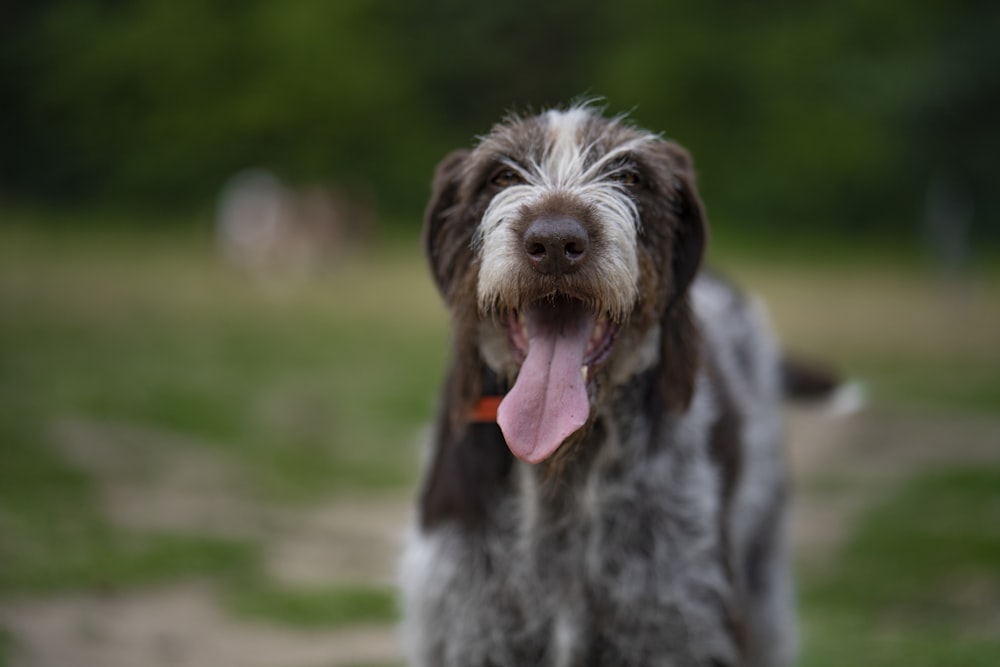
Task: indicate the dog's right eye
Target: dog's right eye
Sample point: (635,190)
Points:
(505,178)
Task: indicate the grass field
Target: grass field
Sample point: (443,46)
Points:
(919,581)
(136,366)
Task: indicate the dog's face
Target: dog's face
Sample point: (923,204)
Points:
(563,245)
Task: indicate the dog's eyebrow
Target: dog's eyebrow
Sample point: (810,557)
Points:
(508,161)
(503,158)
(626,161)
(624,153)
(489,163)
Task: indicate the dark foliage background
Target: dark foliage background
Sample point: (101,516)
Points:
(833,116)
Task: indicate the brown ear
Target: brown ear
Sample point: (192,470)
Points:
(680,356)
(447,237)
(691,234)
(680,340)
(440,209)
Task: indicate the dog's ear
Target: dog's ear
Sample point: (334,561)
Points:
(691,234)
(447,239)
(440,209)
(680,340)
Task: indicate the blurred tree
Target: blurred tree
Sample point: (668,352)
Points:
(161,101)
(819,114)
(478,61)
(834,115)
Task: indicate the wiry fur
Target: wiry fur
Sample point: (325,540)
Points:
(655,534)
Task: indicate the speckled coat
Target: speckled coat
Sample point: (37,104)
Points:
(655,535)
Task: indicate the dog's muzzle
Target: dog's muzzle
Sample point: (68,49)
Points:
(556,338)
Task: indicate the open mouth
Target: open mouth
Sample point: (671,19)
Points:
(552,315)
(558,343)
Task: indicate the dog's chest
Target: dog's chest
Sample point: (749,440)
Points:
(616,561)
(587,565)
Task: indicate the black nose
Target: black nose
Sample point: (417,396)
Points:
(556,245)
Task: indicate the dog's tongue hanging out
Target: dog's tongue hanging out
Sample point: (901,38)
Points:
(548,403)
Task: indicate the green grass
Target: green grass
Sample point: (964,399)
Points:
(5,646)
(322,607)
(326,377)
(317,389)
(919,583)
(308,390)
(56,538)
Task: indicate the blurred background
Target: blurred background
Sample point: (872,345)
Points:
(219,345)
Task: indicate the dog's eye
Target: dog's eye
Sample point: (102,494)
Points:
(626,178)
(505,178)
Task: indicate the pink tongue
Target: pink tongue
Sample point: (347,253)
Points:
(549,400)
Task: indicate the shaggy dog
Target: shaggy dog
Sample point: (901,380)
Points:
(606,482)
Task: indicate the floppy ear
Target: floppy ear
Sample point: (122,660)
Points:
(691,234)
(680,341)
(439,212)
(447,237)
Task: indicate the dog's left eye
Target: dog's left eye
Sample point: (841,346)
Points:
(505,178)
(626,177)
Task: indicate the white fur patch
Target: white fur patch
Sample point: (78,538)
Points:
(565,637)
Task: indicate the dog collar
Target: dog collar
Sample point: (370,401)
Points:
(485,411)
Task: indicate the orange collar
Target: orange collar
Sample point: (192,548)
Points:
(485,410)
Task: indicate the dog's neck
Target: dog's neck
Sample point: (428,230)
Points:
(472,466)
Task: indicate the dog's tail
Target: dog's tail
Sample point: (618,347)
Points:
(811,382)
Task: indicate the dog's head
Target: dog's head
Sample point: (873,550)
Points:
(564,244)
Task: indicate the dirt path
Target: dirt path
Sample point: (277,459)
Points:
(151,481)
(177,626)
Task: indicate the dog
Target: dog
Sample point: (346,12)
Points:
(605,481)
